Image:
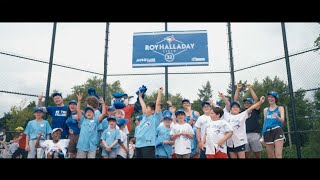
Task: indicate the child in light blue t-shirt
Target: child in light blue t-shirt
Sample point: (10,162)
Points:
(163,142)
(32,130)
(110,138)
(88,138)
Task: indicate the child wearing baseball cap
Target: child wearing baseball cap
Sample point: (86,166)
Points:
(33,128)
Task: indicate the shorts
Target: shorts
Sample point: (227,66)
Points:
(237,149)
(218,155)
(253,144)
(111,154)
(274,134)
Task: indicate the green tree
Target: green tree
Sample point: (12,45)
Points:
(96,83)
(206,92)
(302,106)
(20,115)
(3,120)
(175,99)
(314,141)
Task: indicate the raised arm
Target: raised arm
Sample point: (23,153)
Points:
(213,103)
(40,103)
(225,100)
(253,94)
(158,102)
(143,104)
(104,111)
(236,94)
(250,109)
(79,114)
(172,109)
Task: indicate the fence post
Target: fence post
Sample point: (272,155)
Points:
(293,109)
(288,125)
(231,60)
(104,84)
(50,63)
(166,74)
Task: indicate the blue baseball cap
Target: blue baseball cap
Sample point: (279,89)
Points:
(88,108)
(139,118)
(119,95)
(235,103)
(179,112)
(73,101)
(185,100)
(167,117)
(204,103)
(167,112)
(274,94)
(111,118)
(248,99)
(37,109)
(111,108)
(121,122)
(218,103)
(56,94)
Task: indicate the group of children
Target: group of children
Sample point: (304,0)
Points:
(181,133)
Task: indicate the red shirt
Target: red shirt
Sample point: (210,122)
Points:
(128,110)
(22,141)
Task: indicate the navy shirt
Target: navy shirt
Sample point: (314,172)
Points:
(59,115)
(252,123)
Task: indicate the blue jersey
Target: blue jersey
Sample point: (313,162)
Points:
(59,115)
(103,125)
(33,128)
(194,143)
(88,138)
(195,118)
(110,135)
(163,134)
(145,132)
(73,124)
(270,121)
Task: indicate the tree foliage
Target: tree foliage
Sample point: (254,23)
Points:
(206,92)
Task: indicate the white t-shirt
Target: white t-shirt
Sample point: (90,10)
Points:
(132,147)
(123,138)
(215,131)
(50,146)
(238,123)
(182,144)
(201,124)
(171,125)
(125,130)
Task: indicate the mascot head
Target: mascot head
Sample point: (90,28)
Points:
(119,100)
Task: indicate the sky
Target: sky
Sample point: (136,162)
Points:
(82,45)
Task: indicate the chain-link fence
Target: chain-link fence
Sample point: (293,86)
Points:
(258,53)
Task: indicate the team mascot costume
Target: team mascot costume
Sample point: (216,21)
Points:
(121,101)
(92,92)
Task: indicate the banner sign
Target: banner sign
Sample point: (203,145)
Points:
(170,48)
